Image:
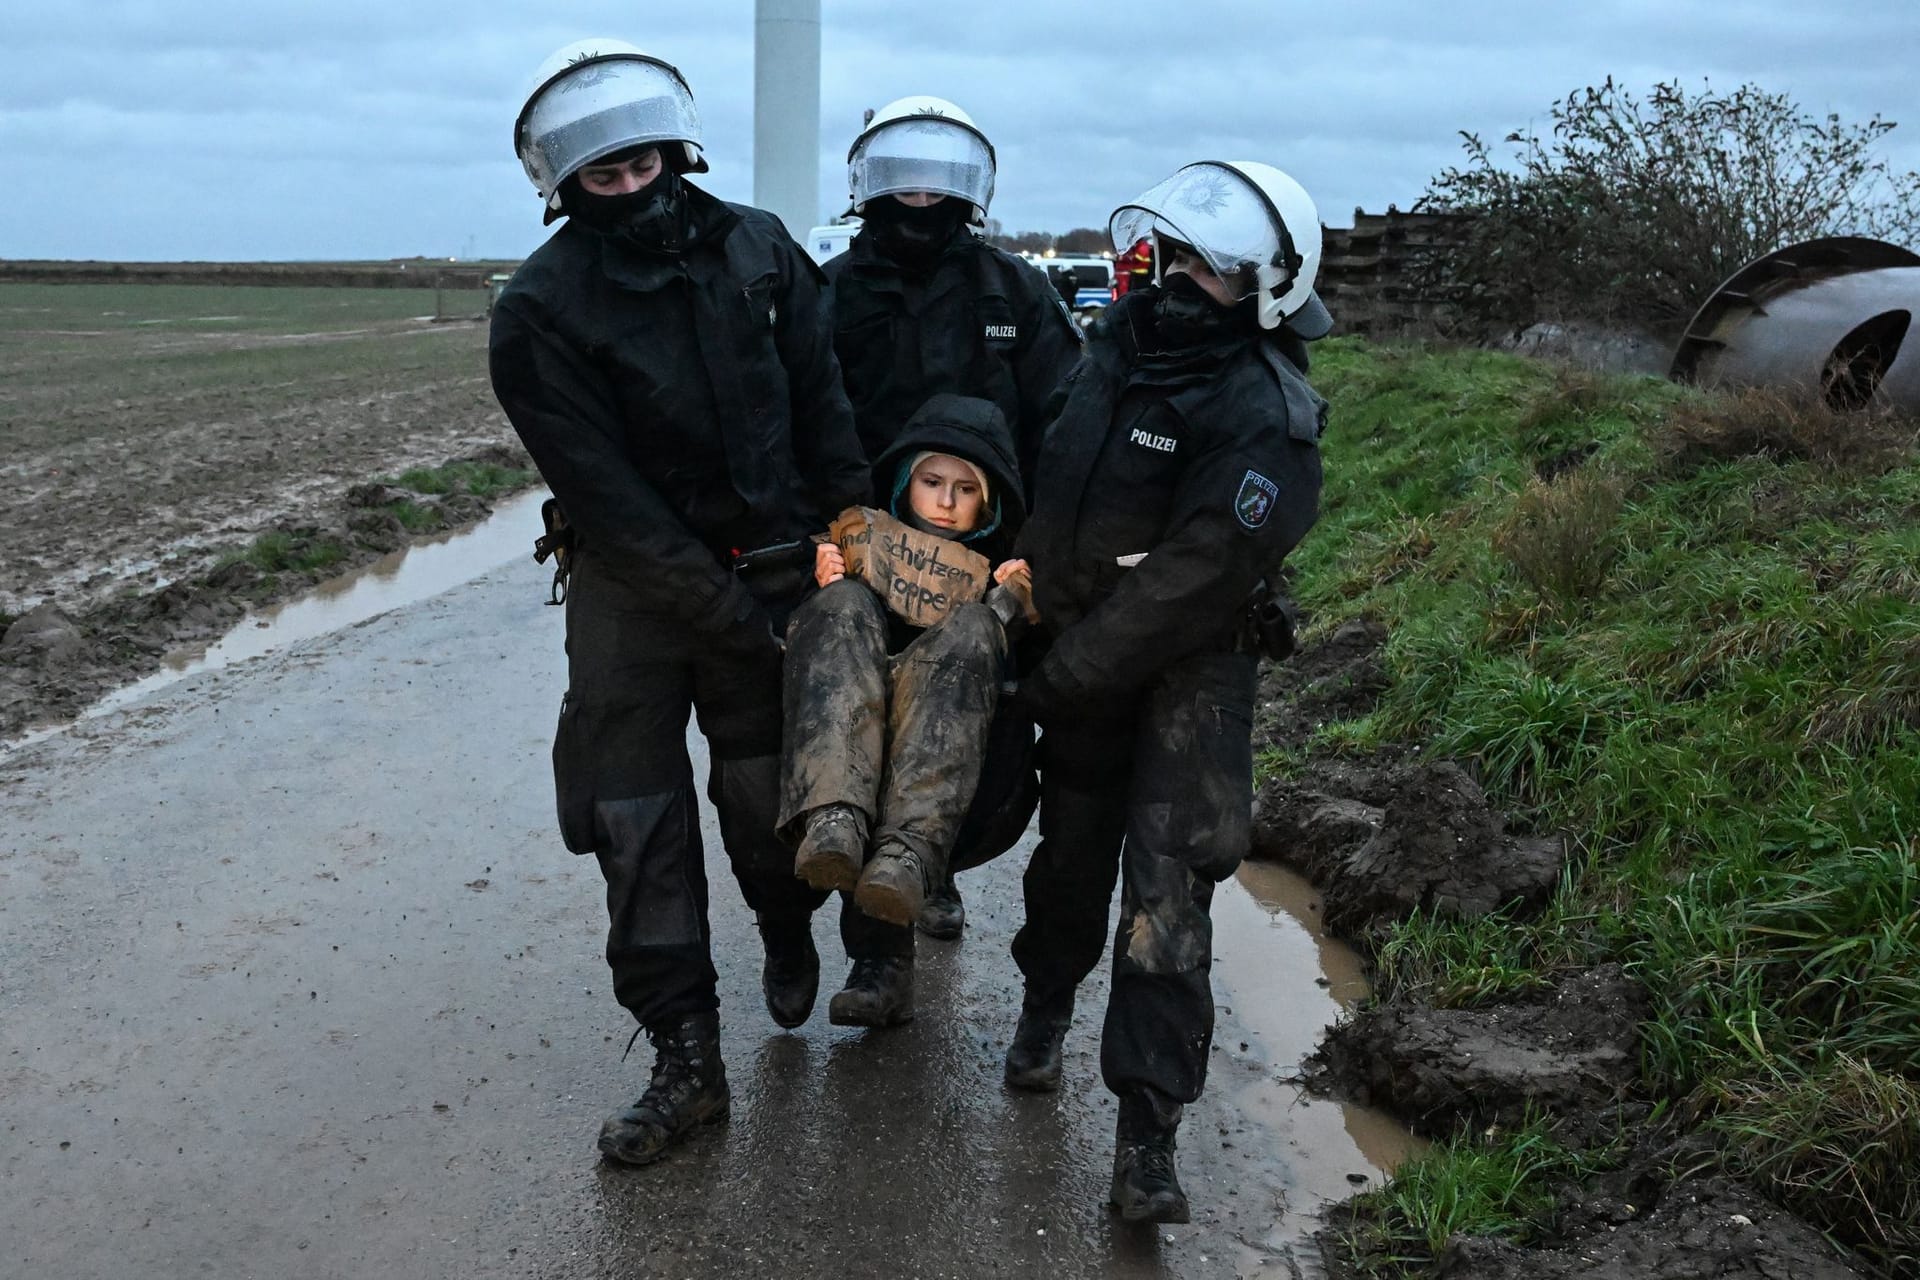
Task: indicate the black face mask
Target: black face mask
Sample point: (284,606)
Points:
(654,218)
(1184,315)
(914,235)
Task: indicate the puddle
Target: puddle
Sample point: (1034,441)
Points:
(1270,958)
(400,578)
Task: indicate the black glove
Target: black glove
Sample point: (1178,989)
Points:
(745,628)
(1036,699)
(754,636)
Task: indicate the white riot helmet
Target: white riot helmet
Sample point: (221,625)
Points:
(921,144)
(594,97)
(1252,224)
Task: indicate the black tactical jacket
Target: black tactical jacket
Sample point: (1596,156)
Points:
(981,323)
(1206,462)
(681,409)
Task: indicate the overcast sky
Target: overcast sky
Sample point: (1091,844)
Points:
(237,129)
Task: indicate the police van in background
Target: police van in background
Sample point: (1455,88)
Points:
(831,241)
(1092,281)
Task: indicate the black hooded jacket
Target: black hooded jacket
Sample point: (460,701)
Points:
(1169,485)
(965,427)
(980,323)
(970,428)
(680,408)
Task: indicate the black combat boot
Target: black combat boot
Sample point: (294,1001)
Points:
(834,847)
(1033,1059)
(1146,1186)
(944,915)
(894,885)
(879,993)
(790,979)
(689,1089)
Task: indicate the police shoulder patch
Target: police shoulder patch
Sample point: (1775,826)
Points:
(1254,503)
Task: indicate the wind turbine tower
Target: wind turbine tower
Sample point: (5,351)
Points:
(786,111)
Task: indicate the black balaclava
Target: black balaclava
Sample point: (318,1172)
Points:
(653,219)
(914,235)
(1186,316)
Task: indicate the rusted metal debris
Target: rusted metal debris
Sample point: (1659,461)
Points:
(1830,317)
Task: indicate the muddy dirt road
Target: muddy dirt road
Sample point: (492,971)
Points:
(298,982)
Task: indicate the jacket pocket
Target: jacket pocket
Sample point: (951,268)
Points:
(573,776)
(763,307)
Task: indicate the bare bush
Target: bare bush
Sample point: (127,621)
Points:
(1631,212)
(1786,428)
(1562,536)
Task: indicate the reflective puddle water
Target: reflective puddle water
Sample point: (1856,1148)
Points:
(1271,960)
(399,578)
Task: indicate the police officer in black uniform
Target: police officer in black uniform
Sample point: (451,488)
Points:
(1181,470)
(665,358)
(923,305)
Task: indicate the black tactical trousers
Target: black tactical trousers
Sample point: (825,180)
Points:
(1162,793)
(624,784)
(903,738)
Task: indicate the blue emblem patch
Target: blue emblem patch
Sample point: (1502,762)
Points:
(1254,503)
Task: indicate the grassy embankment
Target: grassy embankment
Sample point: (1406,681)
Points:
(1696,650)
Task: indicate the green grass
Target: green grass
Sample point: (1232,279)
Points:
(1702,663)
(478,479)
(282,552)
(1494,1184)
(414,517)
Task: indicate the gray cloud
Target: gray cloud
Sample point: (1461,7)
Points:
(362,129)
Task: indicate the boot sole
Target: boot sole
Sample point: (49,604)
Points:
(611,1151)
(1152,1209)
(846,1018)
(829,871)
(787,1021)
(1033,1081)
(945,933)
(888,903)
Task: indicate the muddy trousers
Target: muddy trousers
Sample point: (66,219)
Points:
(624,783)
(901,738)
(1163,794)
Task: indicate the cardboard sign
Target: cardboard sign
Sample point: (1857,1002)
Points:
(920,576)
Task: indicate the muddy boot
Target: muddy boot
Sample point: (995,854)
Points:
(834,847)
(893,888)
(944,915)
(790,979)
(1033,1059)
(879,993)
(689,1089)
(1146,1186)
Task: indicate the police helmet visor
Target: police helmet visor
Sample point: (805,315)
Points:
(922,154)
(599,108)
(1223,217)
